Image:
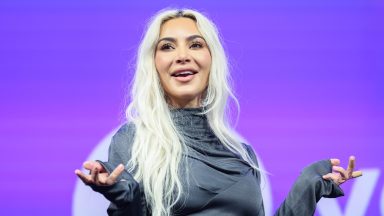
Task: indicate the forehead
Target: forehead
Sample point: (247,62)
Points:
(179,27)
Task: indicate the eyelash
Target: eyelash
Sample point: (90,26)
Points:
(200,45)
(167,46)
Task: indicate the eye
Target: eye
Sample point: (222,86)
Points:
(166,46)
(196,45)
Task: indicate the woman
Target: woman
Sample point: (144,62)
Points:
(178,155)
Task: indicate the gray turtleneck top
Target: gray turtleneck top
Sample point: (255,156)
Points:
(218,182)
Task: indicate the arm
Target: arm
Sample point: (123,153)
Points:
(112,180)
(320,179)
(124,194)
(316,181)
(308,189)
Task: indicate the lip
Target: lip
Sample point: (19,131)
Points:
(174,73)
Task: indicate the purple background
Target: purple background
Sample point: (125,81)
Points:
(308,74)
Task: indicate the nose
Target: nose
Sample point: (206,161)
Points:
(183,56)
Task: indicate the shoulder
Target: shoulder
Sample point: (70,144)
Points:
(251,153)
(248,148)
(122,142)
(126,131)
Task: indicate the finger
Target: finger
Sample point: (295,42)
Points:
(351,165)
(83,177)
(341,170)
(100,168)
(335,162)
(94,174)
(102,178)
(335,177)
(115,174)
(97,177)
(89,165)
(328,176)
(356,174)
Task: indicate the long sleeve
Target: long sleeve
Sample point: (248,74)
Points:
(253,156)
(124,195)
(308,189)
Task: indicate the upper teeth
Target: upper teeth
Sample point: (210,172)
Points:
(184,73)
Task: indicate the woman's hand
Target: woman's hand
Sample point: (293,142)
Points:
(339,174)
(98,175)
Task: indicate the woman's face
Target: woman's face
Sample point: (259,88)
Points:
(183,62)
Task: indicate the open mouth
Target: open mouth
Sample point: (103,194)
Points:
(183,73)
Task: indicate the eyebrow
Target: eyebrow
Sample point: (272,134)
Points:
(171,39)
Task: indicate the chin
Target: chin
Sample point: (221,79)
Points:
(187,96)
(187,92)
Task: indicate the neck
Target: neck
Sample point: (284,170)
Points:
(195,103)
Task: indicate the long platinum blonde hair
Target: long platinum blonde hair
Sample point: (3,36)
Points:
(157,148)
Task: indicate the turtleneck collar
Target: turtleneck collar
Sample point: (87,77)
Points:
(196,131)
(192,123)
(189,117)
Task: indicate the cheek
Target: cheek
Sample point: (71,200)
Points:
(158,63)
(205,61)
(162,63)
(162,67)
(205,64)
